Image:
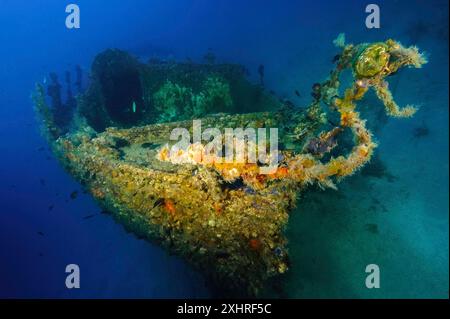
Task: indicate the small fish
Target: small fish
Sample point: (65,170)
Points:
(274,192)
(104,212)
(288,103)
(297,93)
(278,251)
(249,190)
(40,233)
(336,58)
(89,216)
(42,181)
(158,202)
(74,194)
(421,131)
(40,149)
(316,87)
(50,208)
(134,107)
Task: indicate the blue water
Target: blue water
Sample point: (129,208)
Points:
(330,242)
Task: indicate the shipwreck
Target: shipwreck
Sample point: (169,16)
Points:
(226,218)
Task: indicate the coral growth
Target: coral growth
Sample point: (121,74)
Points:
(392,109)
(174,101)
(215,95)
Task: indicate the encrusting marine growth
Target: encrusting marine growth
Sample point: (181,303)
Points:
(226,218)
(370,65)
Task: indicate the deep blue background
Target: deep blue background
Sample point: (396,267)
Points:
(291,38)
